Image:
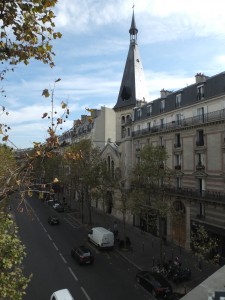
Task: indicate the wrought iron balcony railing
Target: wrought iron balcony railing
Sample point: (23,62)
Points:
(204,118)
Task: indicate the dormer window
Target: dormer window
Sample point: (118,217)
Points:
(149,110)
(178,100)
(162,106)
(200,92)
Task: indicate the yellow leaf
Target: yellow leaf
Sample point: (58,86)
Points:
(5,138)
(45,93)
(63,105)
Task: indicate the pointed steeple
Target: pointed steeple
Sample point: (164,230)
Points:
(133,29)
(133,86)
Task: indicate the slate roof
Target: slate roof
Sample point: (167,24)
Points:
(133,86)
(213,86)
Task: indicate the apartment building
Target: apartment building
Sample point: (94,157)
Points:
(190,124)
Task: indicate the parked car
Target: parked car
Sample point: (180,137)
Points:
(59,208)
(53,220)
(63,294)
(155,283)
(51,202)
(83,255)
(174,296)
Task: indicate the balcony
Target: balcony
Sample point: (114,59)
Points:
(177,167)
(215,116)
(200,167)
(200,216)
(207,195)
(177,145)
(200,143)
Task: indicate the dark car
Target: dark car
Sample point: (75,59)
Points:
(174,296)
(155,283)
(53,220)
(83,255)
(59,208)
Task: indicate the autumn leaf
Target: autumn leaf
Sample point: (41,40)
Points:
(45,93)
(63,105)
(44,115)
(5,138)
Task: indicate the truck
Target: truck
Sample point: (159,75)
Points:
(101,237)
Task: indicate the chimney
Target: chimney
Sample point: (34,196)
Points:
(200,77)
(164,93)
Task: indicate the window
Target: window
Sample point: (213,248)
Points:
(178,183)
(200,92)
(162,123)
(178,100)
(149,110)
(162,106)
(200,138)
(112,169)
(123,132)
(128,131)
(161,141)
(139,114)
(177,161)
(201,210)
(123,120)
(201,186)
(178,119)
(128,118)
(200,114)
(177,141)
(139,129)
(149,126)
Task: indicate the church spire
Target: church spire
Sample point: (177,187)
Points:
(133,86)
(133,29)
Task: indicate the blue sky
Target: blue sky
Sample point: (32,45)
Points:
(176,40)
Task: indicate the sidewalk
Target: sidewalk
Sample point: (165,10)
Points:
(144,252)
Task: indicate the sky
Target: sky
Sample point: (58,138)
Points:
(176,40)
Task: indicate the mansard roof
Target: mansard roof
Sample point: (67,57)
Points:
(213,87)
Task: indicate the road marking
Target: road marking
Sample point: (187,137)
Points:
(72,273)
(44,229)
(72,221)
(49,237)
(55,246)
(63,258)
(85,293)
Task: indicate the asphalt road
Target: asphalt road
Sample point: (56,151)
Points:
(48,259)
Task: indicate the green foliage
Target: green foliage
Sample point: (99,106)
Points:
(27,29)
(12,281)
(8,164)
(203,245)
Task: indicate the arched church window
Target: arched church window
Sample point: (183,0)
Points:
(112,169)
(123,119)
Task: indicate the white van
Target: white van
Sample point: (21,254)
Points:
(101,237)
(61,295)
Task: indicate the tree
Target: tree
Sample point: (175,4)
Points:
(204,247)
(149,177)
(27,29)
(12,281)
(85,164)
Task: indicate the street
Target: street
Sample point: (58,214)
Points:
(48,259)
